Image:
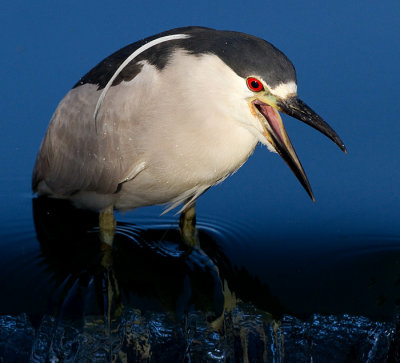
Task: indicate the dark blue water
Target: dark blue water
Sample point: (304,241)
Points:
(258,293)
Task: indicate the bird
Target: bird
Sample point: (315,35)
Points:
(163,119)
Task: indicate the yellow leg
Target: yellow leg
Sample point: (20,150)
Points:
(107,225)
(187,227)
(112,301)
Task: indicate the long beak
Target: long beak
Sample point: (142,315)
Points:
(275,132)
(298,109)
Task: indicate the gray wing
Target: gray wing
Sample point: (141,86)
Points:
(78,153)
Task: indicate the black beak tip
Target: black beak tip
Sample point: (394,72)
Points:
(306,185)
(336,139)
(311,194)
(298,109)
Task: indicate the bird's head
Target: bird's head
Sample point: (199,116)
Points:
(265,103)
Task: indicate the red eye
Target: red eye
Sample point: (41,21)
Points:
(254,84)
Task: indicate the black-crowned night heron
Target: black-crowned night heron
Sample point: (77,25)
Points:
(164,119)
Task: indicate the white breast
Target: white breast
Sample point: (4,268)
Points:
(186,127)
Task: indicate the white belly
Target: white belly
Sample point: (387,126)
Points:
(183,169)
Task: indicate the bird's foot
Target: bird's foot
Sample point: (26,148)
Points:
(107,225)
(187,227)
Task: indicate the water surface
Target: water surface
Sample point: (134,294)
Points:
(260,293)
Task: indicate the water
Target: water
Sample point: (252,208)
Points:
(246,295)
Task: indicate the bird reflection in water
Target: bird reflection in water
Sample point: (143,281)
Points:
(149,294)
